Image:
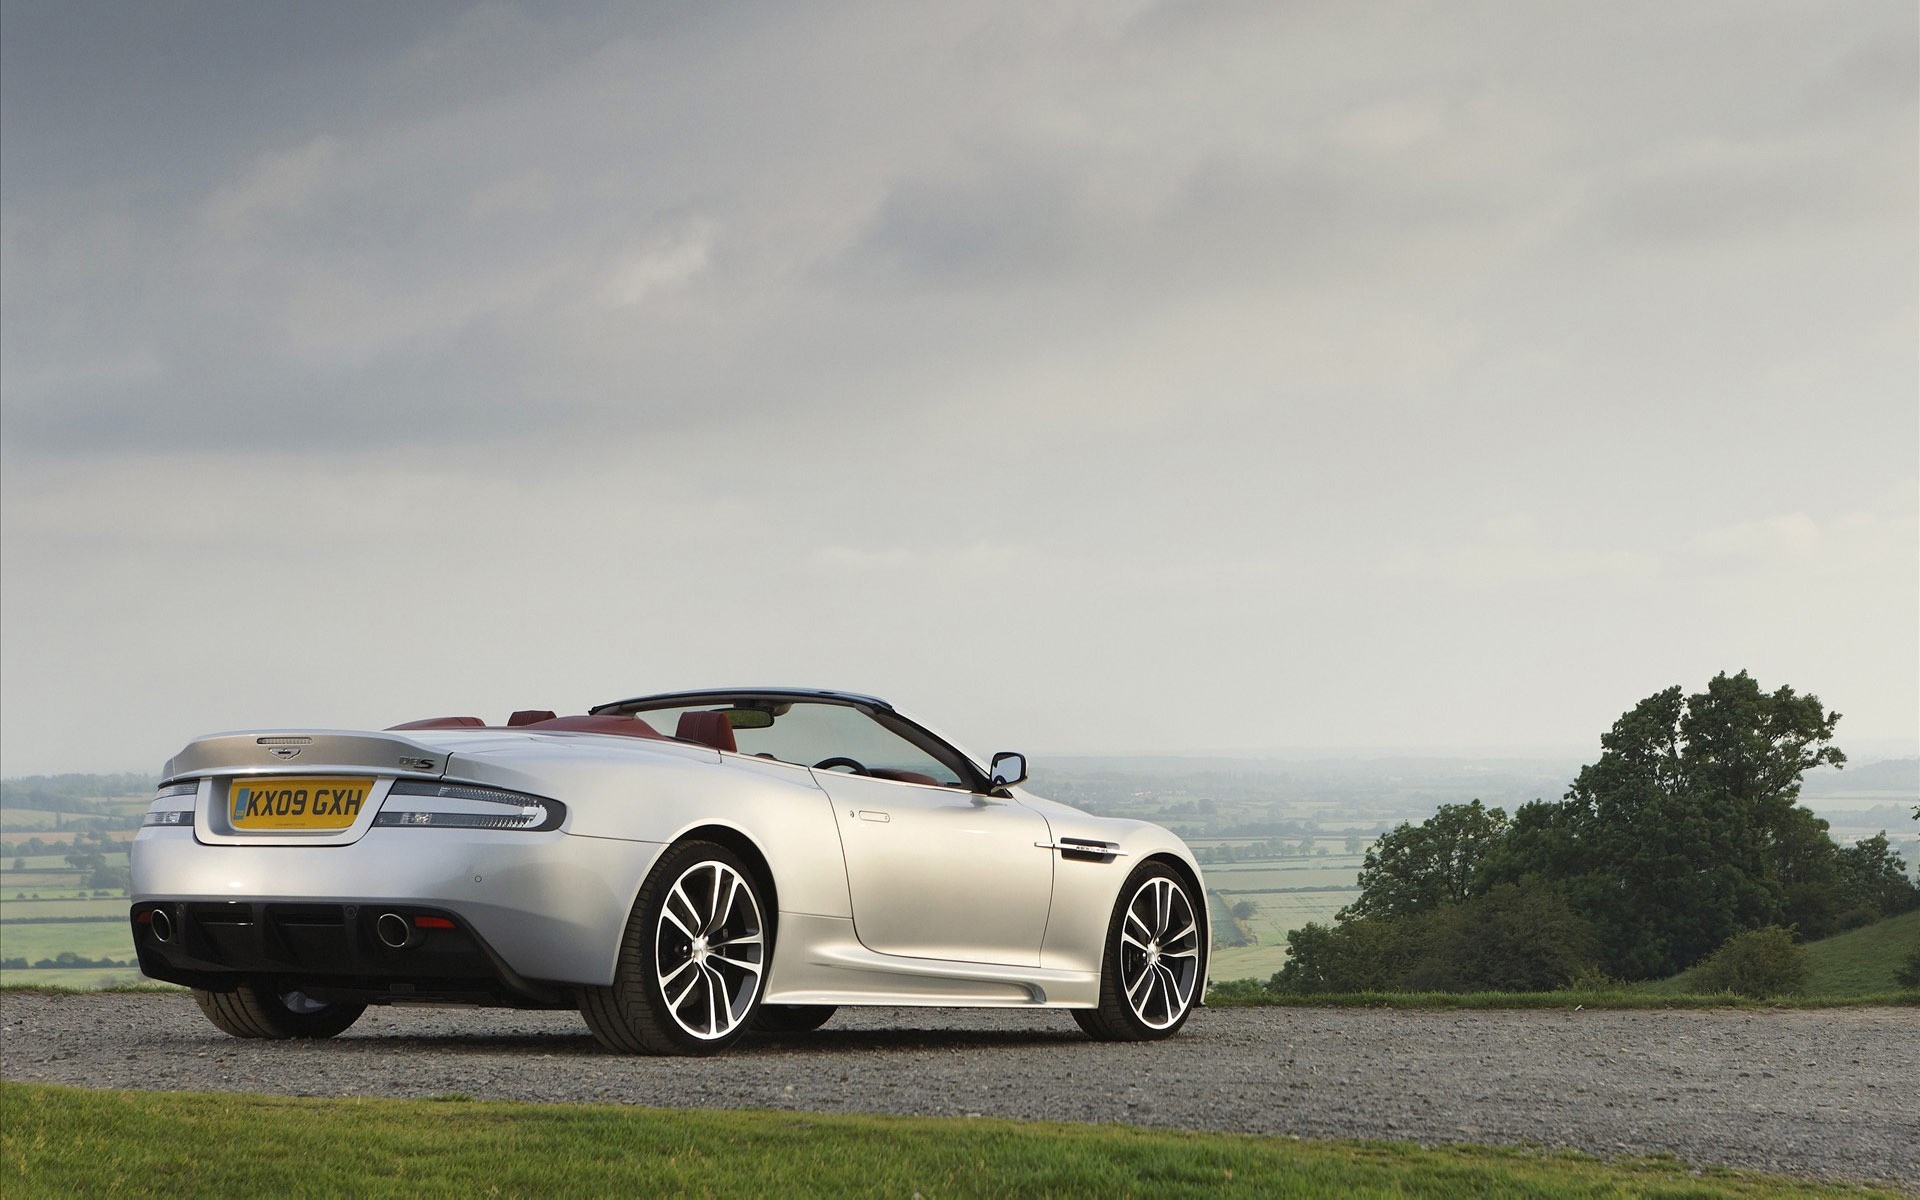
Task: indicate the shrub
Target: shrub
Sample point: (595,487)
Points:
(1591,979)
(1908,973)
(1760,963)
(1517,937)
(1856,917)
(1234,991)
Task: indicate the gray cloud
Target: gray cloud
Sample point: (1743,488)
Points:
(1395,375)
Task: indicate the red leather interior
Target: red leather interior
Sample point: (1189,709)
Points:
(903,776)
(443,723)
(528,716)
(708,729)
(624,726)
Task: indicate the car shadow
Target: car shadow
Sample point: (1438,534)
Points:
(826,1041)
(830,1040)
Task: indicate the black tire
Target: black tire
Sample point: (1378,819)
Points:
(792,1018)
(1178,986)
(636,1015)
(257,1010)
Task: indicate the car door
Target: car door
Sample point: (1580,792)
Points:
(941,872)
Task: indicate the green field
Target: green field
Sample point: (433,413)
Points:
(88,939)
(88,906)
(60,1142)
(1285,894)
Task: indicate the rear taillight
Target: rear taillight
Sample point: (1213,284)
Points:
(430,804)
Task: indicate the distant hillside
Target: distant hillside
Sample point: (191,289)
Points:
(1889,775)
(1860,962)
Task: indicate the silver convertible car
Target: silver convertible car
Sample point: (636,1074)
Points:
(681,868)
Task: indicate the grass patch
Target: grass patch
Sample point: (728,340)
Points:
(1847,970)
(67,1142)
(77,981)
(1237,994)
(1860,962)
(88,939)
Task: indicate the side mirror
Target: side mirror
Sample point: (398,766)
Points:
(1009,768)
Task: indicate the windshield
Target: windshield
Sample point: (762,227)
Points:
(813,732)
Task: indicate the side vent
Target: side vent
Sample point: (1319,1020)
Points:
(1085,849)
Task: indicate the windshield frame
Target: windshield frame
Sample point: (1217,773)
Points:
(973,776)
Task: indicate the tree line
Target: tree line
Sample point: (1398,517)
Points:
(71,793)
(1684,834)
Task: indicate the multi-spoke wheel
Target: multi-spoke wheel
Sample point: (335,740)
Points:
(694,959)
(259,1010)
(1154,963)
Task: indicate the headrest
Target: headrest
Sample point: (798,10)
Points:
(708,729)
(624,726)
(528,716)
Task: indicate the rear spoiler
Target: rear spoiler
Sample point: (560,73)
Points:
(304,751)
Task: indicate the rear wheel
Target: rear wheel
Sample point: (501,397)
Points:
(792,1018)
(1151,971)
(693,960)
(257,1010)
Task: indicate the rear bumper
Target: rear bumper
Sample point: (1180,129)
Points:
(330,952)
(550,907)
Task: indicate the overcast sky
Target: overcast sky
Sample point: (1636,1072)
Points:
(1133,377)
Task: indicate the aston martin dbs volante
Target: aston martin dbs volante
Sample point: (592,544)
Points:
(681,868)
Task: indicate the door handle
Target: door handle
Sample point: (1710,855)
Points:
(868,814)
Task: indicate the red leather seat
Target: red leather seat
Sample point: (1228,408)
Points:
(442,723)
(623,726)
(528,716)
(708,729)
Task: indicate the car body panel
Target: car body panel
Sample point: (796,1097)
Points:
(935,872)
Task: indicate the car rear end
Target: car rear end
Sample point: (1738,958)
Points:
(371,868)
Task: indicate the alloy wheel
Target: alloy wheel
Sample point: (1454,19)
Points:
(1160,952)
(709,949)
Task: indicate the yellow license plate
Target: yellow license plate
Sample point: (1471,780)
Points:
(288,803)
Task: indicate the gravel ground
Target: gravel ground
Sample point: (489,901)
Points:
(1829,1093)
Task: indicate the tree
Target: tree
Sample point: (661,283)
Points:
(1515,937)
(1244,910)
(1355,843)
(1362,955)
(1872,875)
(1685,831)
(1417,868)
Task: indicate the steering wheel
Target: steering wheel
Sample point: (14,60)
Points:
(841,760)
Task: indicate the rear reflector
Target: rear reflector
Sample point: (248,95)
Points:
(432,923)
(145,917)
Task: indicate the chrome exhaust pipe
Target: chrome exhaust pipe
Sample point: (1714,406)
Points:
(161,924)
(395,931)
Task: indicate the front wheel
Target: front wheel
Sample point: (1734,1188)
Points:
(255,1010)
(1151,971)
(693,961)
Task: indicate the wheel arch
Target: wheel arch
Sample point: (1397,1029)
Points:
(738,842)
